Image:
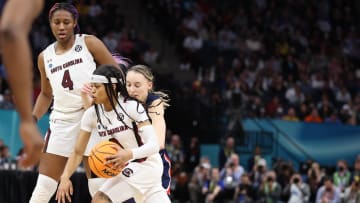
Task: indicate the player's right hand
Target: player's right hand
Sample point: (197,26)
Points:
(33,144)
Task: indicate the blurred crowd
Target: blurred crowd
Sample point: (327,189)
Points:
(293,60)
(255,180)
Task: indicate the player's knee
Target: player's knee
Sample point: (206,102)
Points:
(100,197)
(94,185)
(45,188)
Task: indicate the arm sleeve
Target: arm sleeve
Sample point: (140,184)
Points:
(150,146)
(88,120)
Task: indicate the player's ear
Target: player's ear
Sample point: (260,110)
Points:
(75,24)
(150,85)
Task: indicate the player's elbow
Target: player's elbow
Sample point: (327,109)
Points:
(9,32)
(156,147)
(78,152)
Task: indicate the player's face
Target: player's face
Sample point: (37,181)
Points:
(137,85)
(62,25)
(98,93)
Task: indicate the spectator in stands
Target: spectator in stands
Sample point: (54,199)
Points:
(244,192)
(111,41)
(356,171)
(176,154)
(313,117)
(199,177)
(272,108)
(254,108)
(325,107)
(342,176)
(6,158)
(352,192)
(333,118)
(231,174)
(258,174)
(328,192)
(192,155)
(294,95)
(254,159)
(226,151)
(284,170)
(343,95)
(315,179)
(213,187)
(302,111)
(298,191)
(270,189)
(291,115)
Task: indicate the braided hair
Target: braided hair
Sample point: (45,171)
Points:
(115,78)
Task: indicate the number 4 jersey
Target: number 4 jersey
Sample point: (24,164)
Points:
(67,73)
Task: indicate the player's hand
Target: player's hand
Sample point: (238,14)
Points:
(86,89)
(64,191)
(120,159)
(86,95)
(33,144)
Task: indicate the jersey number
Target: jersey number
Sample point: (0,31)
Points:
(66,81)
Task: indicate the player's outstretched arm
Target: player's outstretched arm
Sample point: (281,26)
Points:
(16,21)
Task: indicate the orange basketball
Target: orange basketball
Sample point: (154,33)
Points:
(97,159)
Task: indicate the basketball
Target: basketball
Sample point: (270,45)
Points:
(97,159)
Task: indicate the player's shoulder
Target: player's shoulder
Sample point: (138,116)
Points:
(90,111)
(88,38)
(131,104)
(128,101)
(151,98)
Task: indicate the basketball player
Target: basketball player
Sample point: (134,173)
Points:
(64,67)
(118,117)
(124,63)
(139,84)
(16,20)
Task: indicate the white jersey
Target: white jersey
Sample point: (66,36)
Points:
(136,173)
(67,73)
(113,127)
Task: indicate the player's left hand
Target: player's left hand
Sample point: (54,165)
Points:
(120,159)
(64,191)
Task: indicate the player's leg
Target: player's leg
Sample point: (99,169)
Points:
(166,176)
(50,169)
(16,21)
(159,196)
(59,144)
(116,190)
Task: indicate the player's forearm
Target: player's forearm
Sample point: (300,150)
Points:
(42,105)
(151,145)
(71,165)
(160,129)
